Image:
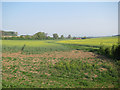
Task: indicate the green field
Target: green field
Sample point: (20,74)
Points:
(32,46)
(40,46)
(29,43)
(58,64)
(107,41)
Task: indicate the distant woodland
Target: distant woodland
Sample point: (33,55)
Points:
(10,35)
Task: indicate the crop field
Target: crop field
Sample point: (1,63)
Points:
(107,41)
(30,43)
(56,64)
(31,46)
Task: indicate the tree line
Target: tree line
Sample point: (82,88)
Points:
(8,33)
(36,36)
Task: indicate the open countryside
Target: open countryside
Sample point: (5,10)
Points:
(60,44)
(58,63)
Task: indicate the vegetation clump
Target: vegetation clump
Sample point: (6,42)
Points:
(113,51)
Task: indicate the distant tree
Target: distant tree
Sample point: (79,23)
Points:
(62,37)
(32,38)
(40,35)
(74,37)
(48,37)
(55,36)
(9,33)
(69,36)
(27,37)
(21,37)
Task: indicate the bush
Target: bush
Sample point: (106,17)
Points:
(117,52)
(113,51)
(108,51)
(102,49)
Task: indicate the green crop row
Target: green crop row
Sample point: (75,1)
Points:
(33,50)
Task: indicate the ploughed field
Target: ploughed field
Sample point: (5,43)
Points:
(53,63)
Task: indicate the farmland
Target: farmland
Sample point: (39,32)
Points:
(39,46)
(58,63)
(107,41)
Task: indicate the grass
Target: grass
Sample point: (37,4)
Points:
(58,64)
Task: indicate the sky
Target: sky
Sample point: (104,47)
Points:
(64,18)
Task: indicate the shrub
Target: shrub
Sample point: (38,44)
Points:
(102,49)
(113,51)
(117,52)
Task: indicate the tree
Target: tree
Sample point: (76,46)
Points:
(74,37)
(40,35)
(48,37)
(62,37)
(55,36)
(69,36)
(9,33)
(21,37)
(27,37)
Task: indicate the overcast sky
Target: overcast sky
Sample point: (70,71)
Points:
(75,18)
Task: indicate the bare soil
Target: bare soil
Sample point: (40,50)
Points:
(70,54)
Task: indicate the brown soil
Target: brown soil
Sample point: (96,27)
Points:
(36,63)
(71,54)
